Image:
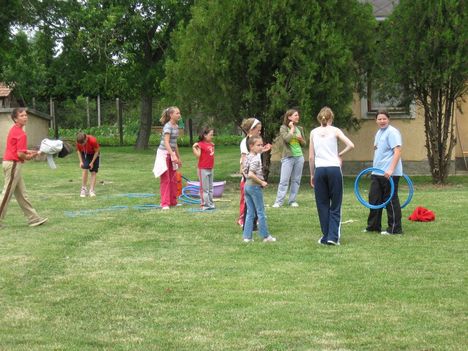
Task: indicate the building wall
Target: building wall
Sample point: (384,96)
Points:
(414,152)
(36,129)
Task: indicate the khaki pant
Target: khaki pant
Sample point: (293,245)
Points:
(14,185)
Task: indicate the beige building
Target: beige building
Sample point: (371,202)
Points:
(410,123)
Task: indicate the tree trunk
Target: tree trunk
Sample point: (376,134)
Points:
(440,138)
(146,120)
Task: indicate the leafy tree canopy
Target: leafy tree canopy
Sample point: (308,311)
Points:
(237,58)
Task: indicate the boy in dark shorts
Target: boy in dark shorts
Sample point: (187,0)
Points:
(87,148)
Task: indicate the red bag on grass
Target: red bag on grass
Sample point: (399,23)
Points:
(421,214)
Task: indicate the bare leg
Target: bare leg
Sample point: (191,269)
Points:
(92,182)
(84,178)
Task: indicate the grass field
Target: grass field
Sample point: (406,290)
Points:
(130,279)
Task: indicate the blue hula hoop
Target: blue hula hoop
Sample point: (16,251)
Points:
(364,202)
(189,194)
(410,190)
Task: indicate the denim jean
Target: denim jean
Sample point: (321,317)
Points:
(254,201)
(291,170)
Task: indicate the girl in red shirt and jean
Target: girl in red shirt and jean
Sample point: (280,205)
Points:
(204,150)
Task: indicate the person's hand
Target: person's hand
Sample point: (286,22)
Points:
(263,183)
(291,124)
(91,165)
(266,147)
(195,145)
(388,173)
(300,138)
(312,182)
(81,164)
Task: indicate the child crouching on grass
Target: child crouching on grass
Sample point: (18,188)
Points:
(204,151)
(254,184)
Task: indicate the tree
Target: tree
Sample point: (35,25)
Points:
(425,53)
(237,59)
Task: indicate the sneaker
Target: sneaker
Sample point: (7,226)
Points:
(247,240)
(294,204)
(92,194)
(38,222)
(388,233)
(370,231)
(331,242)
(269,239)
(83,192)
(276,205)
(165,208)
(321,242)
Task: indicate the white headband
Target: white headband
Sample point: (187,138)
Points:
(254,124)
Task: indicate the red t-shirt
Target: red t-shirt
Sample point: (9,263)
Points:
(17,141)
(90,146)
(206,160)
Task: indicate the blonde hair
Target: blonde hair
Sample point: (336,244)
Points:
(247,124)
(166,114)
(288,114)
(325,115)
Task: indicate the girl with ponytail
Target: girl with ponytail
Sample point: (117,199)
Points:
(325,174)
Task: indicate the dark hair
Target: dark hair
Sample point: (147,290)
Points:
(80,138)
(205,131)
(382,112)
(288,114)
(16,112)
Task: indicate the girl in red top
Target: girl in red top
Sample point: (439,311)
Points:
(204,150)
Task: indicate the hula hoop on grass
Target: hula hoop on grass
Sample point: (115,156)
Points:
(190,195)
(410,190)
(358,195)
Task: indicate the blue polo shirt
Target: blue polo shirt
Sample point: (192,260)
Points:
(386,139)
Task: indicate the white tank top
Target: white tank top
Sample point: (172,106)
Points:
(325,146)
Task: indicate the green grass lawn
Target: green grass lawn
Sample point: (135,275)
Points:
(129,279)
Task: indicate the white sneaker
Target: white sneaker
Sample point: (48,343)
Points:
(38,222)
(247,240)
(384,232)
(276,205)
(294,204)
(83,191)
(331,242)
(92,194)
(165,208)
(269,239)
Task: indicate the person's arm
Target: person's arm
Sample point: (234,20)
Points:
(95,156)
(311,160)
(396,157)
(173,153)
(343,138)
(26,155)
(301,137)
(287,133)
(196,150)
(80,158)
(254,177)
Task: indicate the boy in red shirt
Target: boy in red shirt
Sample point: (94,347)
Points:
(87,148)
(16,152)
(204,150)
